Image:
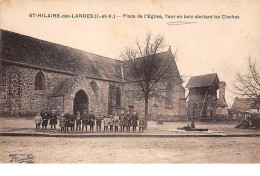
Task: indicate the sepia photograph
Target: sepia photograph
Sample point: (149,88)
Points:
(136,82)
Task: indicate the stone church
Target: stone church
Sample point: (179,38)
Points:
(37,76)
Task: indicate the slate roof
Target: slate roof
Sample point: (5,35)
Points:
(64,87)
(245,104)
(203,80)
(27,50)
(167,58)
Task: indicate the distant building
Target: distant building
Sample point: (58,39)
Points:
(245,105)
(37,75)
(202,97)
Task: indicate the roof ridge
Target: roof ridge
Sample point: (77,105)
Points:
(42,40)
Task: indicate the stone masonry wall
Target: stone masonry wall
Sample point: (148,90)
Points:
(134,99)
(18,96)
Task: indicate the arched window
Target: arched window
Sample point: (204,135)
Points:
(118,96)
(168,96)
(39,81)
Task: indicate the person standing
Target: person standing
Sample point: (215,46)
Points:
(141,123)
(45,119)
(62,123)
(193,122)
(85,121)
(106,122)
(116,122)
(134,121)
(128,121)
(72,122)
(122,122)
(111,123)
(53,120)
(92,118)
(98,122)
(38,121)
(78,121)
(67,123)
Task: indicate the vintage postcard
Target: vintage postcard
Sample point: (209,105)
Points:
(154,81)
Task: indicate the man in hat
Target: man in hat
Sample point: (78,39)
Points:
(67,121)
(53,120)
(122,122)
(78,121)
(85,120)
(128,121)
(92,118)
(98,122)
(134,121)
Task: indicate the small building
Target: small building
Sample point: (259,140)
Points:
(242,105)
(202,97)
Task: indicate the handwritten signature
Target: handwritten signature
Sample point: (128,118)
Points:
(21,158)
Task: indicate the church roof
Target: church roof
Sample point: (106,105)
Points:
(64,87)
(27,50)
(167,59)
(203,80)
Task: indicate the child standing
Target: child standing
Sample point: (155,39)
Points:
(116,122)
(45,119)
(106,123)
(141,124)
(62,123)
(38,121)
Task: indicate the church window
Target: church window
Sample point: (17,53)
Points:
(169,96)
(118,96)
(39,81)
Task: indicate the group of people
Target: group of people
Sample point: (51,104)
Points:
(68,122)
(43,119)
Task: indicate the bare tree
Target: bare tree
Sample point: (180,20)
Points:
(248,84)
(147,68)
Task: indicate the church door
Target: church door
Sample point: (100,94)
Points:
(81,102)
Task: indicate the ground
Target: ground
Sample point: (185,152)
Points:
(132,149)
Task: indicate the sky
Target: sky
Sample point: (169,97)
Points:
(204,46)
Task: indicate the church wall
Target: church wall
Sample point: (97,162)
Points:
(98,100)
(18,96)
(132,98)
